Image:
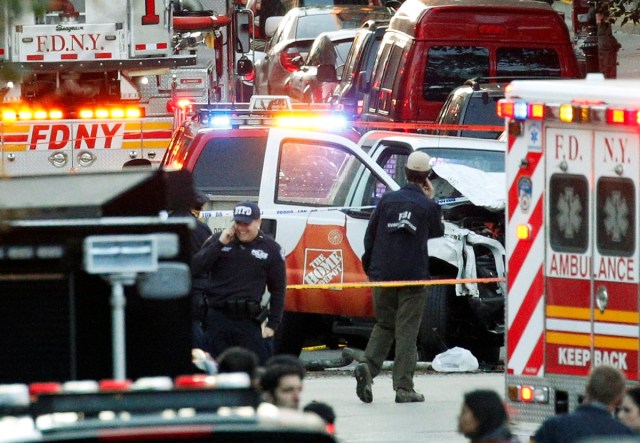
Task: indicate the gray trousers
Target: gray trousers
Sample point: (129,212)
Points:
(398,316)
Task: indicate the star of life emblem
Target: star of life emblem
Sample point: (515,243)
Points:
(616,222)
(569,218)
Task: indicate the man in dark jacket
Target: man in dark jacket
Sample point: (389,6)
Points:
(242,262)
(594,418)
(396,249)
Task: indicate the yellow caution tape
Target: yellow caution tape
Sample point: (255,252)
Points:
(394,284)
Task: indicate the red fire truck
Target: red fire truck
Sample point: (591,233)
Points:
(573,167)
(92,83)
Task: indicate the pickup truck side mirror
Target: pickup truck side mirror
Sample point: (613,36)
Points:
(362,84)
(327,73)
(244,66)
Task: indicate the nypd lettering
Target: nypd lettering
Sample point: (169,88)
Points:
(242,210)
(582,357)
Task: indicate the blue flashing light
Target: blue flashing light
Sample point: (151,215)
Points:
(220,122)
(520,110)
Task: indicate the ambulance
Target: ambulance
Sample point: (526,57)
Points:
(93,87)
(573,167)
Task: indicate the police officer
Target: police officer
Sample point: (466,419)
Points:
(242,262)
(395,248)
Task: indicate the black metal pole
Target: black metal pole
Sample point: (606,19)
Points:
(590,45)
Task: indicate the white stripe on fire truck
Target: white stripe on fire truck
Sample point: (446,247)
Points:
(524,348)
(584,327)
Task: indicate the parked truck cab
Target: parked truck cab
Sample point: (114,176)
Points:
(432,46)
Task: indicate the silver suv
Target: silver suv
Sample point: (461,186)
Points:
(474,103)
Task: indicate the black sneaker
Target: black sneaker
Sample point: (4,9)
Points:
(404,396)
(364,380)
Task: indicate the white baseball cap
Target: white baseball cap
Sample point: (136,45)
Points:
(419,161)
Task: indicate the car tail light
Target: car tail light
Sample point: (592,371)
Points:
(286,60)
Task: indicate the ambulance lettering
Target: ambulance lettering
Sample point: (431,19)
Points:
(83,135)
(67,43)
(582,357)
(616,269)
(570,265)
(615,150)
(567,147)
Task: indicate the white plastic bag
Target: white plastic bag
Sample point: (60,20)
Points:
(455,360)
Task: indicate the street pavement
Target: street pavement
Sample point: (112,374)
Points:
(384,421)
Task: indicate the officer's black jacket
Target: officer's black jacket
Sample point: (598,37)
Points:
(243,270)
(395,244)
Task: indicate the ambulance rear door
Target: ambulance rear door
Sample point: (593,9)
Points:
(591,288)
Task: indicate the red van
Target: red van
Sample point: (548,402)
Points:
(432,46)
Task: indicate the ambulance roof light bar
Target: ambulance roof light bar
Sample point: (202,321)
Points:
(578,111)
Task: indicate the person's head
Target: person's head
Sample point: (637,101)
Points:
(282,385)
(418,167)
(246,216)
(629,412)
(199,200)
(324,411)
(482,411)
(605,385)
(238,359)
(286,359)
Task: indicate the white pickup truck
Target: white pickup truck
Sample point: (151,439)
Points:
(317,191)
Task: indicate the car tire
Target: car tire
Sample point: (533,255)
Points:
(434,328)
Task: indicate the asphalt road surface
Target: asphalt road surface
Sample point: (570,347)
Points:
(384,421)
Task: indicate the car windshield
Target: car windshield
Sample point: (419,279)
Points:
(482,111)
(487,161)
(310,26)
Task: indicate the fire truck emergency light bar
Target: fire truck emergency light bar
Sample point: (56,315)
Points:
(579,111)
(9,115)
(224,119)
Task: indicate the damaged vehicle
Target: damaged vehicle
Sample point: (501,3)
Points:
(468,176)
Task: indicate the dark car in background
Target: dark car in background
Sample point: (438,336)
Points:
(326,57)
(295,34)
(356,74)
(473,103)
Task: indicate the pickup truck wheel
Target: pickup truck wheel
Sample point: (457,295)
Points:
(291,334)
(434,329)
(486,354)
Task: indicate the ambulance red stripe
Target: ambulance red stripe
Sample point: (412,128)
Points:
(534,364)
(526,309)
(522,248)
